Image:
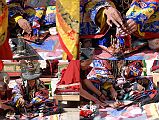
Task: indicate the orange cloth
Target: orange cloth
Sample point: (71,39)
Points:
(72,73)
(5,51)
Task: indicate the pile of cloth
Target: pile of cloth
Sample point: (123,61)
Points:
(70,79)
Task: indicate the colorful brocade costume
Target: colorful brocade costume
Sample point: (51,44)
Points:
(38,16)
(36,95)
(144,12)
(5,51)
(91,23)
(68,27)
(101,71)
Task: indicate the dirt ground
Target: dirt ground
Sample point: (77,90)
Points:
(70,114)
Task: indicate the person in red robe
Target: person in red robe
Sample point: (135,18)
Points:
(5,51)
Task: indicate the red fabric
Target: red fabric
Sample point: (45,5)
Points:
(70,56)
(153,94)
(155,65)
(148,35)
(92,36)
(5,51)
(72,73)
(85,113)
(63,72)
(1,65)
(54,66)
(127,41)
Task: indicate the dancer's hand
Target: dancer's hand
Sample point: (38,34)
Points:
(101,104)
(131,26)
(121,32)
(114,16)
(21,101)
(113,93)
(24,24)
(102,97)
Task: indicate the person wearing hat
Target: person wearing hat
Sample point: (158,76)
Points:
(31,91)
(85,61)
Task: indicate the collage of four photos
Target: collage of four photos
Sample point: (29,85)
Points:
(79,59)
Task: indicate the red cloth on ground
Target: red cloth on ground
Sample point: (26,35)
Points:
(5,51)
(72,73)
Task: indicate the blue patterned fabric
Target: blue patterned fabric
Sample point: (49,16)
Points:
(102,72)
(146,14)
(87,24)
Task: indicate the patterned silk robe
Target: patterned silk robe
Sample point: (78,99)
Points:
(92,18)
(146,14)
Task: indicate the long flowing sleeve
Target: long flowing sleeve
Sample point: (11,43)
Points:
(15,8)
(16,12)
(98,8)
(94,12)
(141,10)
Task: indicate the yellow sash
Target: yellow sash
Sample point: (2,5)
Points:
(67,23)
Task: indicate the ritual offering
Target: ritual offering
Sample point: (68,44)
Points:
(119,45)
(36,38)
(88,111)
